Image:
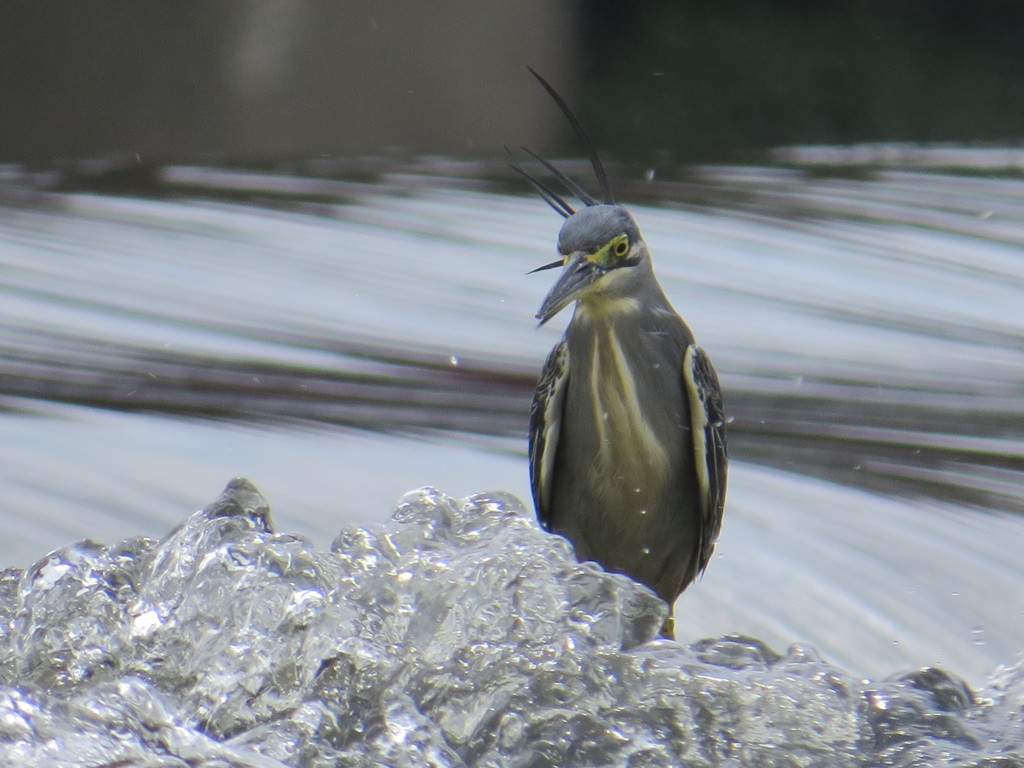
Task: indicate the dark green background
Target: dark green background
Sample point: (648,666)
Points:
(710,79)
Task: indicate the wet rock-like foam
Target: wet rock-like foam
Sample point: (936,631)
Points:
(456,634)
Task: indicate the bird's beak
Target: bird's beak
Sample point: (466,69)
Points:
(577,274)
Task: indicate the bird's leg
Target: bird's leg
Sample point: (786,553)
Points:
(668,629)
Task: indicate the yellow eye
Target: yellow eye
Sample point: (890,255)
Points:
(621,248)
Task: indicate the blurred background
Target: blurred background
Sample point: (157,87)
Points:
(658,83)
(282,240)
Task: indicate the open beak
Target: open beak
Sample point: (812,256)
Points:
(578,273)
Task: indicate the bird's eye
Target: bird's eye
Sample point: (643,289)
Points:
(621,248)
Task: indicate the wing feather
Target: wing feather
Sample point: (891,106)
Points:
(545,425)
(707,417)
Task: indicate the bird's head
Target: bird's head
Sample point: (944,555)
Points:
(604,260)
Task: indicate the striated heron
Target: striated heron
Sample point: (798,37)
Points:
(627,434)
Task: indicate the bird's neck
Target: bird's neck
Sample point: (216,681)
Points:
(607,309)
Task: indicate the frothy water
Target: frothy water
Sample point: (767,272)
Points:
(456,634)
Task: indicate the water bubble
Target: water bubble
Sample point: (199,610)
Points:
(878,700)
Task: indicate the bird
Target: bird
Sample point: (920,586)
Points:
(627,440)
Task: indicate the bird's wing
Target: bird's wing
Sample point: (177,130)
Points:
(707,418)
(545,424)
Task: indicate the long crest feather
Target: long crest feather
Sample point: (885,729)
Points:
(556,201)
(566,181)
(584,137)
(553,265)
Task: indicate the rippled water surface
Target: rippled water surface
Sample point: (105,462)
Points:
(869,333)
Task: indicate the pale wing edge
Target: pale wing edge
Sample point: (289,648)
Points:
(707,418)
(545,426)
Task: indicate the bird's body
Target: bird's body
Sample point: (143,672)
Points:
(627,433)
(614,469)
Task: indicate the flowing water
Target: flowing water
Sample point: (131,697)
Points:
(340,343)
